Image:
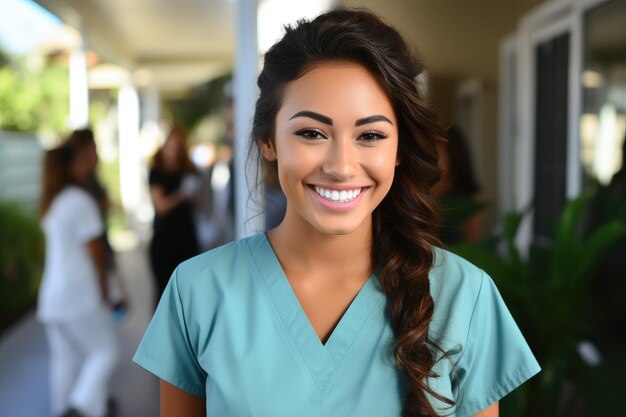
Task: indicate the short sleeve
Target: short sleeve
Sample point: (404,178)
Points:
(496,359)
(86,218)
(165,349)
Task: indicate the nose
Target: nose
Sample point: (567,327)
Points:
(341,161)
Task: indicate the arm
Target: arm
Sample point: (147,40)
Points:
(98,256)
(492,411)
(178,403)
(164,203)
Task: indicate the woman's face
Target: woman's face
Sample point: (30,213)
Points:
(173,149)
(83,164)
(336,148)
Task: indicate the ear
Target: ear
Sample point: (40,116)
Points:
(398,159)
(267,149)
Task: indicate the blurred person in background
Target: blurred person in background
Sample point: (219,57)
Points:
(84,145)
(460,194)
(73,299)
(173,186)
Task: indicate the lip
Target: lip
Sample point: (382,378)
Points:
(336,206)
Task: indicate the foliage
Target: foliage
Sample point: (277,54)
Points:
(202,101)
(21,260)
(547,292)
(34,94)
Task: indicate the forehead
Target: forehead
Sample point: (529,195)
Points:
(337,88)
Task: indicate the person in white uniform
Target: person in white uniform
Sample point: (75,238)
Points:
(73,300)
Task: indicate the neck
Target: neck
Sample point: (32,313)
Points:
(305,251)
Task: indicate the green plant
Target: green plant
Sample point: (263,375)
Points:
(547,293)
(34,94)
(204,99)
(21,260)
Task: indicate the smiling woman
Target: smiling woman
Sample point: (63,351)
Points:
(348,307)
(322,160)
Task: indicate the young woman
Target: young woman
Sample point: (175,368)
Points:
(73,298)
(347,308)
(171,188)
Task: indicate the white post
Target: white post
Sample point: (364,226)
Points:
(79,89)
(149,137)
(248,197)
(129,152)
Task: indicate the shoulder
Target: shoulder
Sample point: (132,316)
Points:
(452,274)
(75,198)
(455,286)
(220,269)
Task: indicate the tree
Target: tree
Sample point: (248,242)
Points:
(34,93)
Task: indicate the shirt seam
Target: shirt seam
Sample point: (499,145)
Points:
(187,337)
(277,315)
(355,341)
(469,327)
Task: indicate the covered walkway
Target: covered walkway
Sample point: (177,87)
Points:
(24,354)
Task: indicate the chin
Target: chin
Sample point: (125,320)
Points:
(343,229)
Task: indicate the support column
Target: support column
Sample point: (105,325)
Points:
(79,89)
(149,138)
(248,197)
(129,152)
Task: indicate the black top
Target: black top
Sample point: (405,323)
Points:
(174,239)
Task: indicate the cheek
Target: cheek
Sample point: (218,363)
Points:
(383,163)
(294,159)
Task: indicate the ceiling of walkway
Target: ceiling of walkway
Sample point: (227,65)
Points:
(180,42)
(184,42)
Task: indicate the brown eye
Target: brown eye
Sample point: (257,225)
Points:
(310,134)
(373,136)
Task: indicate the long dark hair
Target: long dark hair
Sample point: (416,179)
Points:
(183,163)
(55,174)
(404,224)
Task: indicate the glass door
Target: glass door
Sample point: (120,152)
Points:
(603,119)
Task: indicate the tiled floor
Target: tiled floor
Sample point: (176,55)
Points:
(24,355)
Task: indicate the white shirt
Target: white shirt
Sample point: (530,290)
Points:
(70,285)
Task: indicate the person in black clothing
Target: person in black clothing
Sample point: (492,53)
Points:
(173,183)
(459,191)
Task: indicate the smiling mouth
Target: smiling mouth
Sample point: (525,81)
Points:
(336,196)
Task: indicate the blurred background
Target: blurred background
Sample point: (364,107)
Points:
(534,93)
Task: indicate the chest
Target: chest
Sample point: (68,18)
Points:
(263,357)
(324,304)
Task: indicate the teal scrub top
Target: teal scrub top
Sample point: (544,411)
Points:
(229,328)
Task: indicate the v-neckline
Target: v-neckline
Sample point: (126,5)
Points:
(321,359)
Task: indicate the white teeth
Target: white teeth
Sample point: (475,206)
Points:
(338,196)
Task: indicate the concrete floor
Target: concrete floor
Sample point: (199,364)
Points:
(24,354)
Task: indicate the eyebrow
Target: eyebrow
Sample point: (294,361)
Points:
(316,116)
(327,120)
(372,119)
